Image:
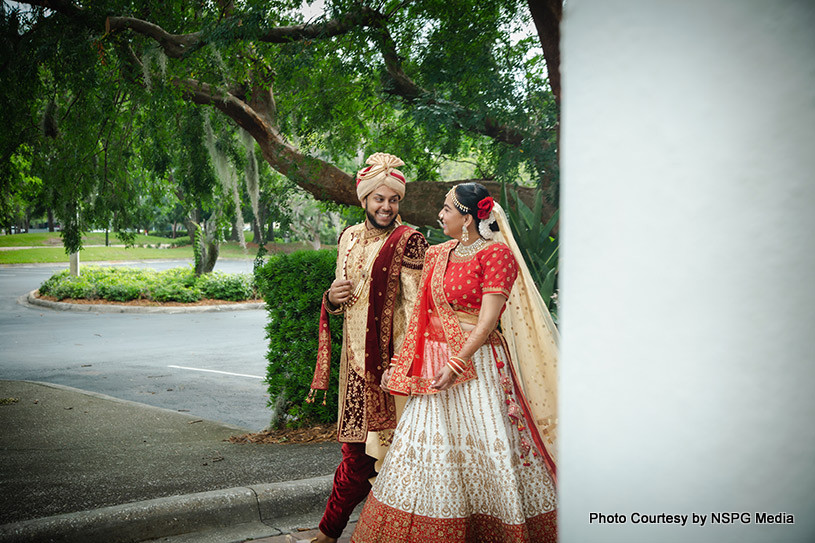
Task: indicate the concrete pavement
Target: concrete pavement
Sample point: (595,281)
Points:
(81,466)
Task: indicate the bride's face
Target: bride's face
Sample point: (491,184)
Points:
(451,218)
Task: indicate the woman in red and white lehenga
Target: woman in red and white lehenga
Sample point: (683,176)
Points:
(473,458)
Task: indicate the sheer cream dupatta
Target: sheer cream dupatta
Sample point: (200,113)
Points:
(533,342)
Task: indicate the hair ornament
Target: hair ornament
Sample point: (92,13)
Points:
(485,207)
(461,207)
(484,225)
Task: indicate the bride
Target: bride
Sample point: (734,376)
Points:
(473,457)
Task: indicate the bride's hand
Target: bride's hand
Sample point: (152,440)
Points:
(443,379)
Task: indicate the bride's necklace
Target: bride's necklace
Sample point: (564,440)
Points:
(469,250)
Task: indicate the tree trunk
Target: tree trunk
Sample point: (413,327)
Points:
(211,255)
(207,247)
(74,264)
(547,15)
(191,224)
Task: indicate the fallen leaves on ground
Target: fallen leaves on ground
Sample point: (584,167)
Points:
(310,434)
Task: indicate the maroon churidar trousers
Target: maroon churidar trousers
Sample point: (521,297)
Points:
(351,486)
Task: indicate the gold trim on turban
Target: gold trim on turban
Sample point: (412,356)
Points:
(381,171)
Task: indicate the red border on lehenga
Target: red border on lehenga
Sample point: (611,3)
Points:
(381,523)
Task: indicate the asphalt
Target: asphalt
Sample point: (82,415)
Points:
(84,467)
(78,466)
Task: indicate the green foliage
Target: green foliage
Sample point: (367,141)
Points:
(538,245)
(223,286)
(175,292)
(125,284)
(292,286)
(103,119)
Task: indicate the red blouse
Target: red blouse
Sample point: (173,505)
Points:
(493,269)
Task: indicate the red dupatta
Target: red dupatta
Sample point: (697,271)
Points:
(408,377)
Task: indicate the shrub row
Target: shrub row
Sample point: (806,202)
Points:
(125,284)
(292,286)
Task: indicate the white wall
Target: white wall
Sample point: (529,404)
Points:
(688,267)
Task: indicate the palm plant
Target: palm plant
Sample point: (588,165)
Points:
(538,245)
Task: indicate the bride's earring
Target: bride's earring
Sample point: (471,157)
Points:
(465,236)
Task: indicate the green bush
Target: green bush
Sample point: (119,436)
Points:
(119,284)
(48,286)
(292,286)
(74,287)
(175,292)
(222,286)
(124,284)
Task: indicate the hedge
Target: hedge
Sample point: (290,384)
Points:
(122,284)
(292,286)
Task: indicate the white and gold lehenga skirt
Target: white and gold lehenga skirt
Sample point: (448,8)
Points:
(457,471)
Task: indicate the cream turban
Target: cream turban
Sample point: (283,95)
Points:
(382,171)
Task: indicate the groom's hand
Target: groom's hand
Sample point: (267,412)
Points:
(386,376)
(340,292)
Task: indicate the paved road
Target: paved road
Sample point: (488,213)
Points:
(129,356)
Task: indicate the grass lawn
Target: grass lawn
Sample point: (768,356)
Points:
(53,239)
(50,251)
(92,254)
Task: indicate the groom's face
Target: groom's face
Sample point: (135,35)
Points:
(382,207)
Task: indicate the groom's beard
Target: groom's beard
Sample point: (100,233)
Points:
(372,220)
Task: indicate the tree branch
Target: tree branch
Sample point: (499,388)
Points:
(320,178)
(178,45)
(404,87)
(174,45)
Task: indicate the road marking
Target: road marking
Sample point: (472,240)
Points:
(216,371)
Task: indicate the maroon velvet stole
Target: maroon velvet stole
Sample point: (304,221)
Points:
(379,341)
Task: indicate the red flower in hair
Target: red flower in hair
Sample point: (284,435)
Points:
(485,207)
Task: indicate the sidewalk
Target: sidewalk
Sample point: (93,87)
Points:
(80,466)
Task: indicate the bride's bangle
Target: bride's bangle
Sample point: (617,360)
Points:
(457,363)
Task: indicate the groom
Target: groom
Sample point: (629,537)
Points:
(379,265)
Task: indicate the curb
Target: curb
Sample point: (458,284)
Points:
(32,300)
(163,517)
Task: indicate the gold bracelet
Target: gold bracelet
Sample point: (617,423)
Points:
(453,367)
